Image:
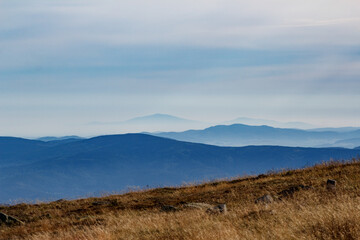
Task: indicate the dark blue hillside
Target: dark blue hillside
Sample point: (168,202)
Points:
(115,162)
(15,151)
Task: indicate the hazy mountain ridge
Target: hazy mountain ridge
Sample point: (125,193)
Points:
(334,129)
(243,135)
(151,123)
(159,118)
(169,123)
(267,122)
(51,138)
(115,162)
(349,143)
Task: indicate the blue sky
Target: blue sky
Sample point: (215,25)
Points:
(64,64)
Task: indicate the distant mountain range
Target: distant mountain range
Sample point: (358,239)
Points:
(154,122)
(48,139)
(244,135)
(159,119)
(169,123)
(32,169)
(261,122)
(339,129)
(236,134)
(348,143)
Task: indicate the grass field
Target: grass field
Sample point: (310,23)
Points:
(311,213)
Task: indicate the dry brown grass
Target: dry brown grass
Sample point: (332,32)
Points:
(307,214)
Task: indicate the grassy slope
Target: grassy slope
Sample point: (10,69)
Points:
(308,214)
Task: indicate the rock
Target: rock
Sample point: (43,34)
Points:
(168,208)
(9,220)
(99,203)
(265,199)
(198,205)
(291,190)
(260,176)
(48,215)
(3,217)
(331,185)
(221,208)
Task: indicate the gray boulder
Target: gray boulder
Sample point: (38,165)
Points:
(221,208)
(265,199)
(215,209)
(289,192)
(168,208)
(9,220)
(204,206)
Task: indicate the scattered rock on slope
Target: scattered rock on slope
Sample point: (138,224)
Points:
(101,203)
(331,185)
(220,208)
(9,220)
(267,198)
(204,206)
(168,208)
(291,190)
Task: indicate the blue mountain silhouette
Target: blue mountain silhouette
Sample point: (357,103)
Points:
(243,135)
(31,170)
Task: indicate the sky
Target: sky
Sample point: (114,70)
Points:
(66,64)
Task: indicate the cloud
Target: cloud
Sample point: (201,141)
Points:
(206,23)
(57,33)
(64,63)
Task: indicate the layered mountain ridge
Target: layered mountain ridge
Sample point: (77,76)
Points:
(34,170)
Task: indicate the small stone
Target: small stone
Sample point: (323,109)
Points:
(221,208)
(260,176)
(265,199)
(331,185)
(198,205)
(291,190)
(168,208)
(99,203)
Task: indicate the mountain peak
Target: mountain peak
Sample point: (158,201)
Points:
(272,123)
(51,138)
(159,117)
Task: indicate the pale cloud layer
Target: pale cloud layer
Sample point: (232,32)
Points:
(66,63)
